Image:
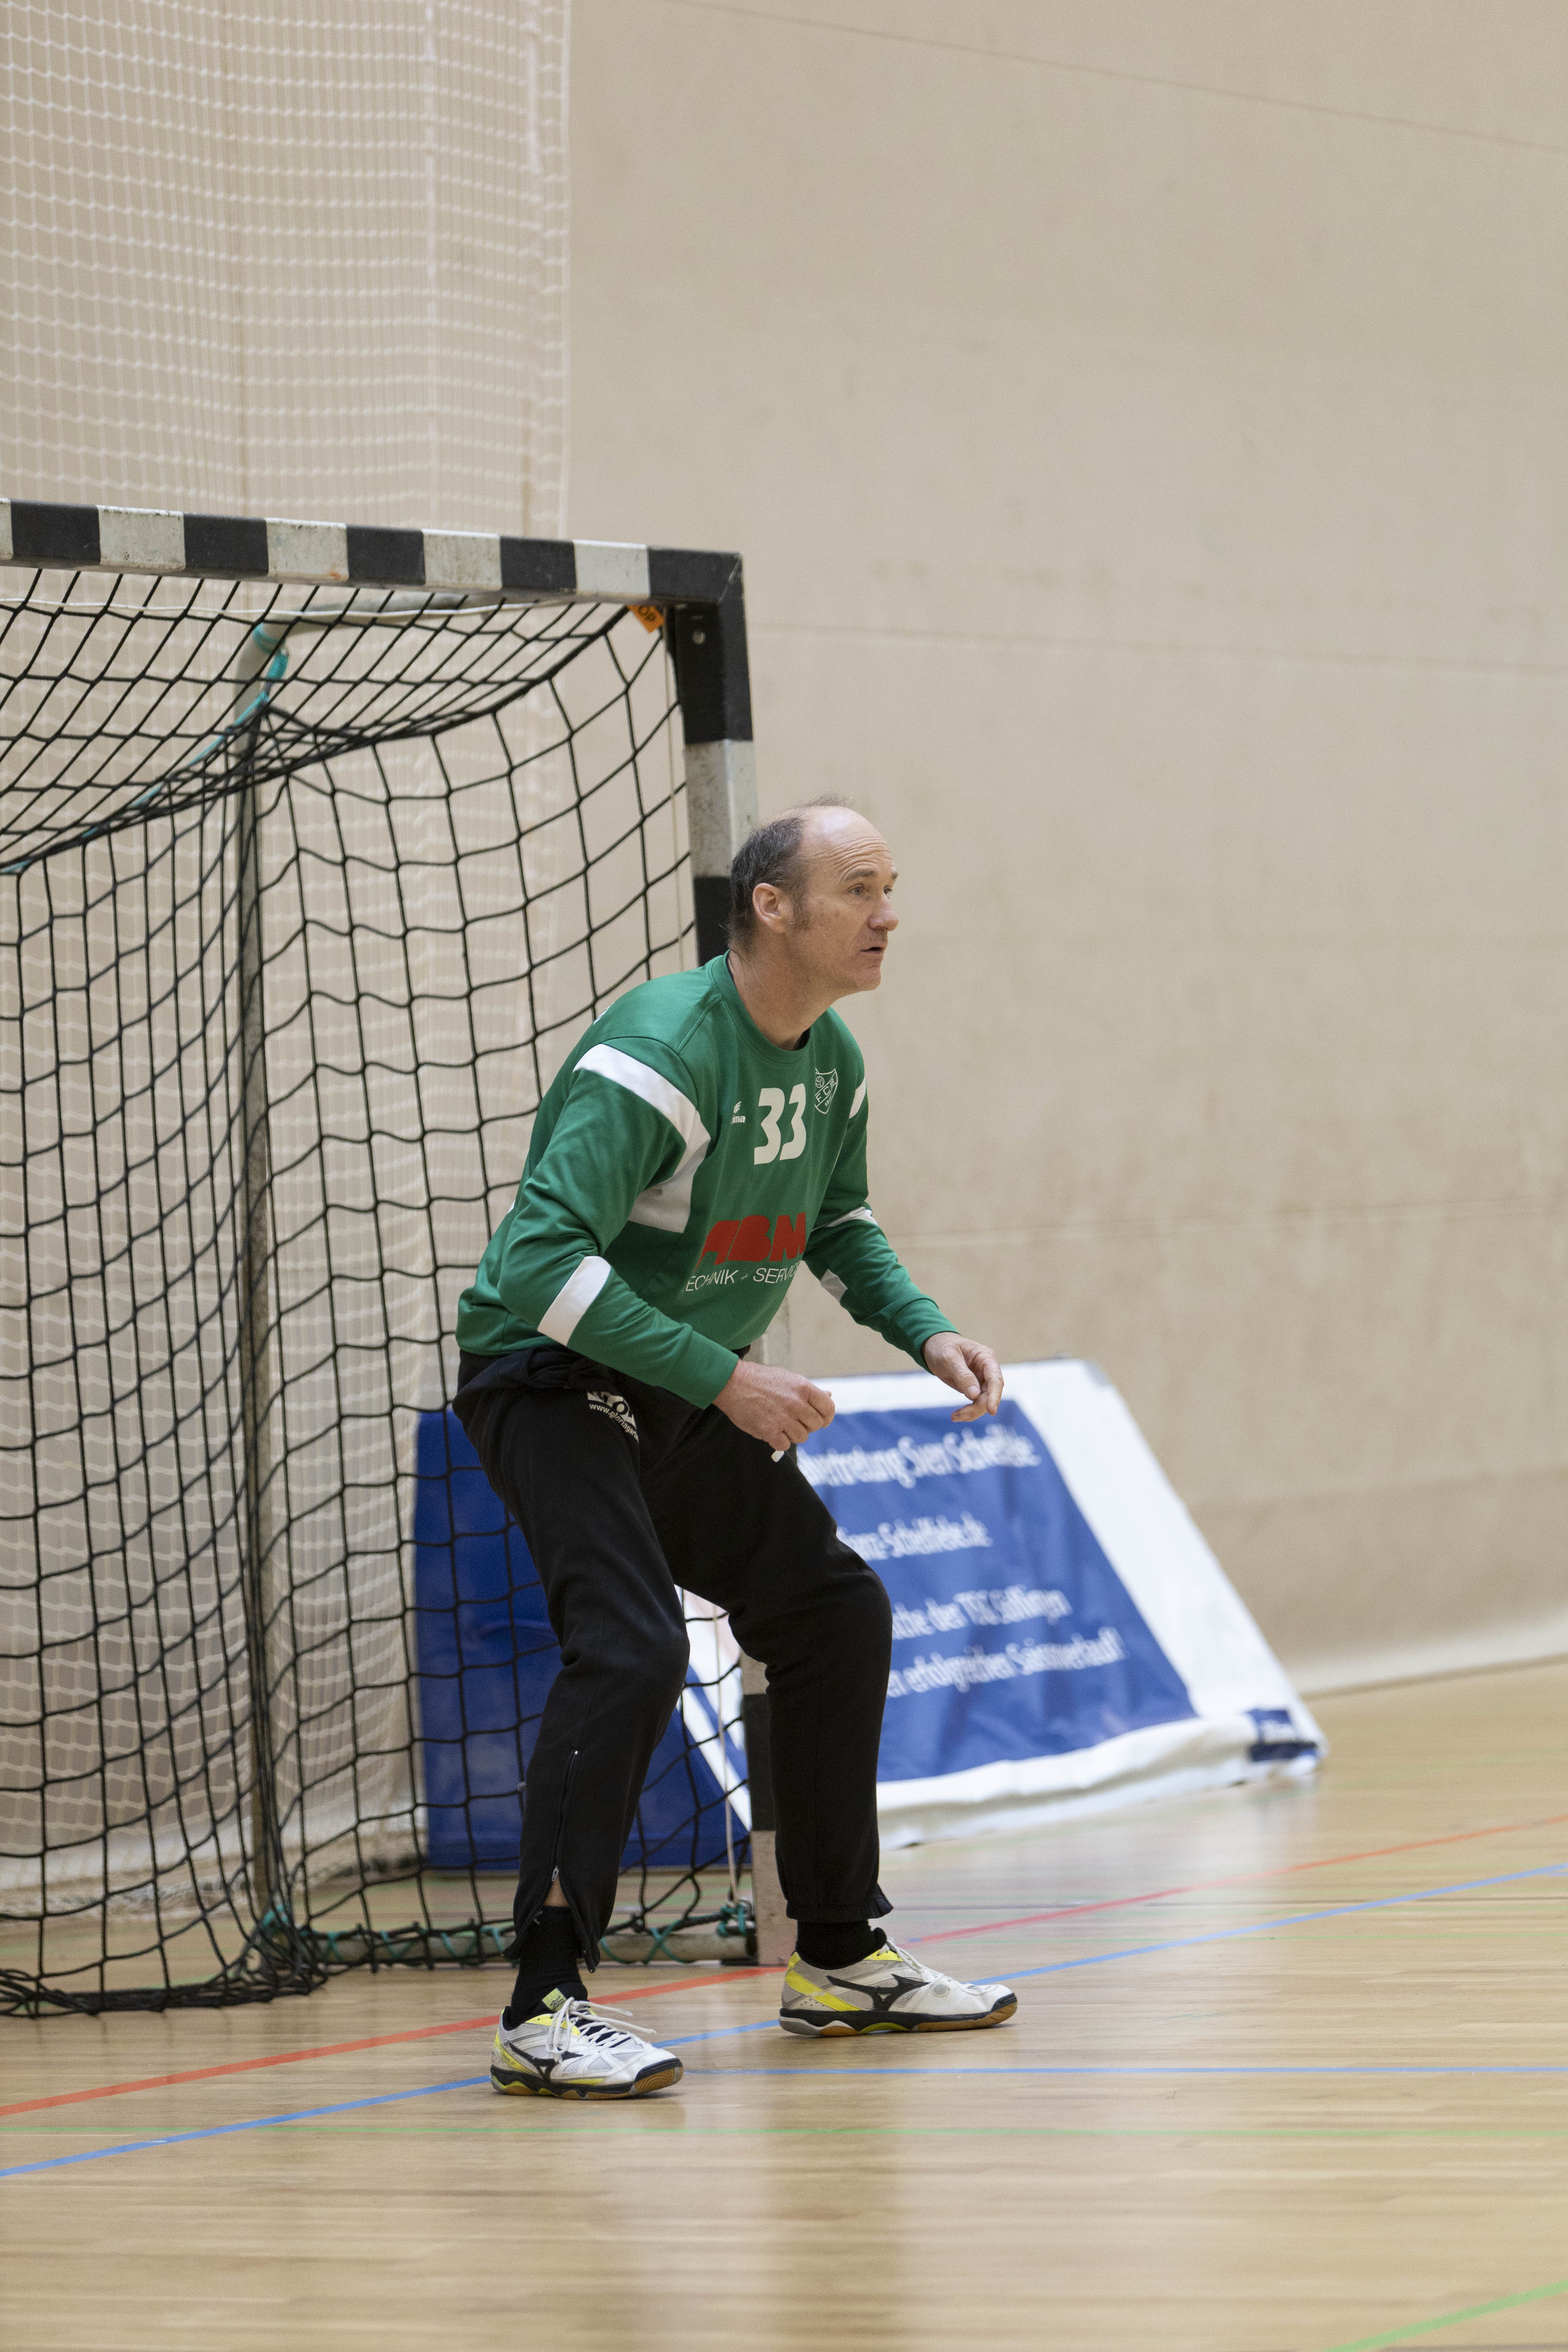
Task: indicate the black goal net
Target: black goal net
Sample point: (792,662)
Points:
(304,894)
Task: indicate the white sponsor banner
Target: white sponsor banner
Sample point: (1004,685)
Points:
(1064,1640)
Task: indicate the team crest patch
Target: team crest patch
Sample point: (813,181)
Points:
(605,1400)
(826,1087)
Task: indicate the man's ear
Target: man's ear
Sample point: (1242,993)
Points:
(768,906)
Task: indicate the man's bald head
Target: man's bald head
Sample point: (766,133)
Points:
(781,852)
(811,913)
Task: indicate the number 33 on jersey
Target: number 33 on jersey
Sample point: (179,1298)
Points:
(774,1145)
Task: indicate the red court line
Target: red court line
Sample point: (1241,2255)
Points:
(698,1984)
(1245,1878)
(340,2049)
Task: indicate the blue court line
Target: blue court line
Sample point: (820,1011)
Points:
(721,2033)
(1297,1919)
(805,2074)
(864,2074)
(253,2122)
(1214,1935)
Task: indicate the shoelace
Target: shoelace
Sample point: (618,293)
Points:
(593,2022)
(896,1957)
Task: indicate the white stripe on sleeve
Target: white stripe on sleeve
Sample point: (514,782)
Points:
(666,1206)
(854,1217)
(859,1098)
(573,1300)
(625,1070)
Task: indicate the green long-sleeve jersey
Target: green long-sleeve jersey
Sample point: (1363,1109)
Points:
(682,1169)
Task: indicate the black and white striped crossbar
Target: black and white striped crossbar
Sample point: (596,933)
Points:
(331,554)
(701,595)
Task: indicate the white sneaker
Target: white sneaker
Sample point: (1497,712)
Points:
(574,2049)
(887,1993)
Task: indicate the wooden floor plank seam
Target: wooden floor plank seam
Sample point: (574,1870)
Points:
(732,1976)
(1300,1919)
(804,2073)
(340,2049)
(1222,1935)
(1242,1878)
(246,2124)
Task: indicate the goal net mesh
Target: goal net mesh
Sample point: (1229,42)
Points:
(304,895)
(293,260)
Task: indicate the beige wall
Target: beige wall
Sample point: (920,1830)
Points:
(1145,430)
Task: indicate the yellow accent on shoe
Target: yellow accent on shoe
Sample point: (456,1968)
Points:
(819,1996)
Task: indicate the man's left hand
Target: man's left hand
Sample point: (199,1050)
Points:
(967,1367)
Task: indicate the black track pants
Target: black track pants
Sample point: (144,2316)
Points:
(625,1492)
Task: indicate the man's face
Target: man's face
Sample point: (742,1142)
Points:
(841,916)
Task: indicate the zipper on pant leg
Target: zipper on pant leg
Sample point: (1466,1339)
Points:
(525,1915)
(589,1944)
(561,1814)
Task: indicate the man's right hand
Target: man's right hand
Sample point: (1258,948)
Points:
(775,1406)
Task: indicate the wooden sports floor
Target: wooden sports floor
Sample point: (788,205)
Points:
(1290,2075)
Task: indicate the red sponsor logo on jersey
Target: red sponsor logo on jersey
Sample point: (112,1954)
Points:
(752,1241)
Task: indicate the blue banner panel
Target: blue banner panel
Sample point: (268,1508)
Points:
(485,1658)
(1013,1635)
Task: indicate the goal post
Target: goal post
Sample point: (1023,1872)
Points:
(318,846)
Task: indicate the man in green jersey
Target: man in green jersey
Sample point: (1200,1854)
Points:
(705,1139)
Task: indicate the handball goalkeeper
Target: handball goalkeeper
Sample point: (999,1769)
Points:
(704,1141)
